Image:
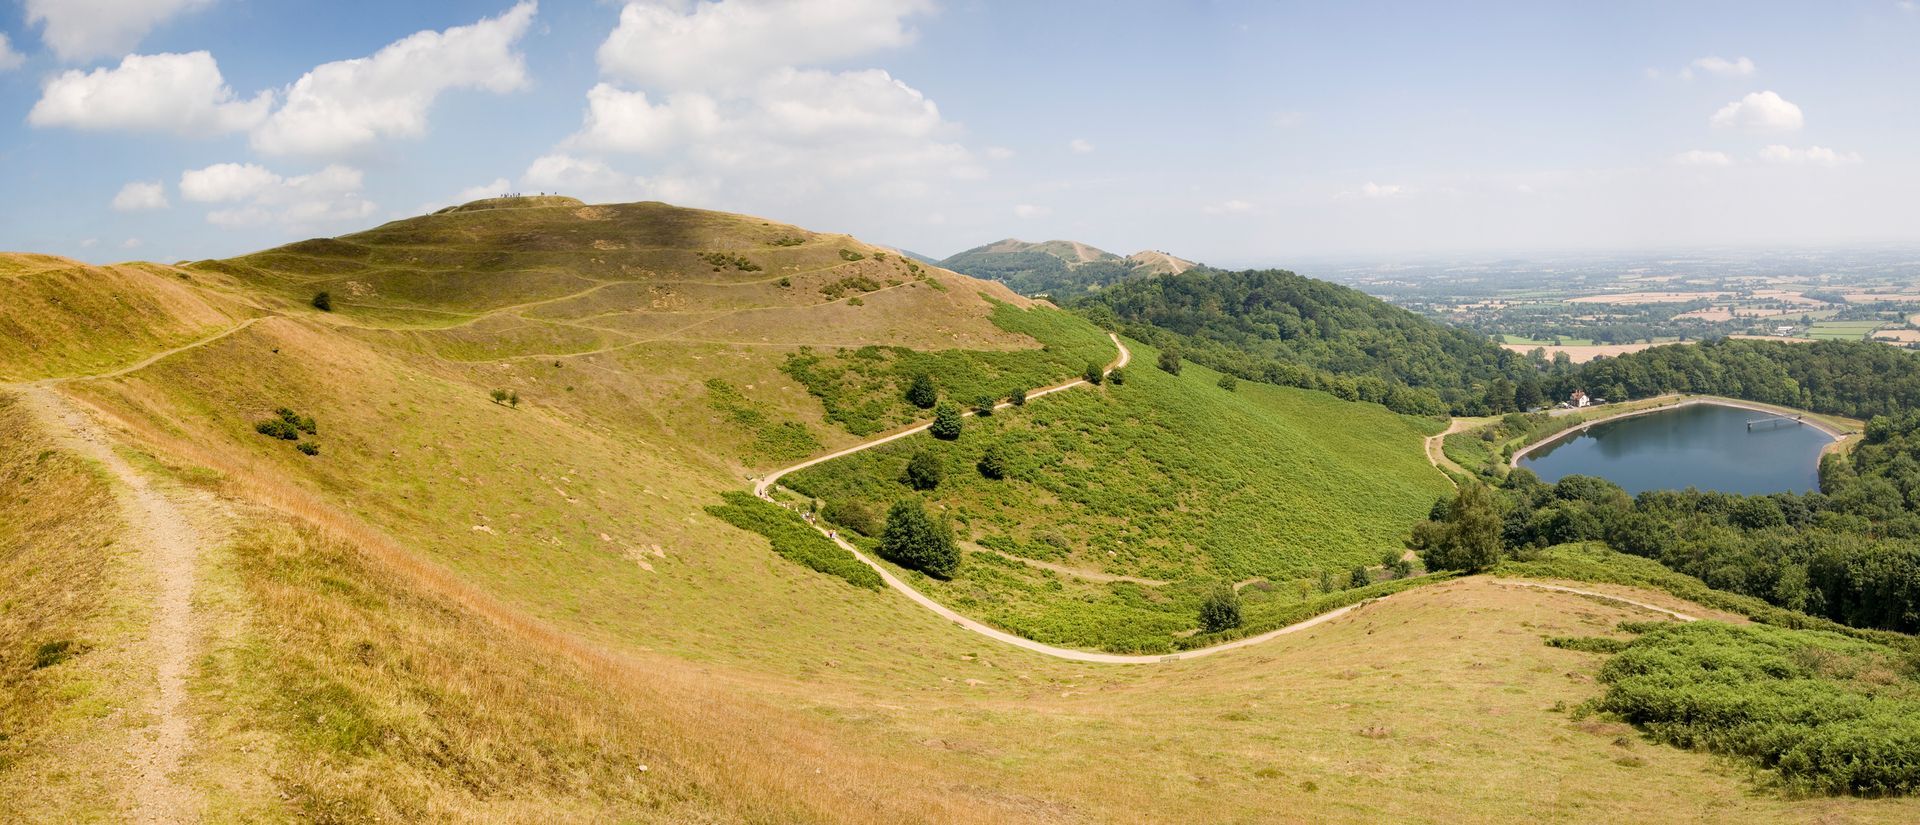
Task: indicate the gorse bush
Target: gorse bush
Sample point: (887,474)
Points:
(278,428)
(323,301)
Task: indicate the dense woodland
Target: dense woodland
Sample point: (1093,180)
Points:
(1282,328)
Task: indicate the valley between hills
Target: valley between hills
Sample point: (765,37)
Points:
(535,510)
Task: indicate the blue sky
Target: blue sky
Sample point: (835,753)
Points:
(1235,133)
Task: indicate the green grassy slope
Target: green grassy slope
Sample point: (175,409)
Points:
(62,317)
(1166,478)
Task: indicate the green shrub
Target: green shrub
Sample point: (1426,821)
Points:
(323,301)
(1116,376)
(916,541)
(1170,361)
(853,515)
(308,447)
(1093,373)
(1018,397)
(1588,644)
(947,422)
(992,464)
(983,405)
(278,428)
(850,256)
(921,393)
(923,471)
(1358,577)
(793,539)
(1221,610)
(785,282)
(1229,383)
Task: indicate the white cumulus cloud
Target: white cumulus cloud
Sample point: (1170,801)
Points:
(1720,66)
(78,30)
(9,59)
(346,105)
(1079,146)
(263,197)
(1812,156)
(1026,211)
(1230,207)
(1759,112)
(718,44)
(140,195)
(179,93)
(1702,157)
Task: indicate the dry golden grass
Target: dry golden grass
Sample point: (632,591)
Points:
(62,317)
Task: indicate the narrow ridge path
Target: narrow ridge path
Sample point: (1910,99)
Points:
(168,545)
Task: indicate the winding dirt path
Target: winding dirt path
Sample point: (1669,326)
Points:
(1437,453)
(169,546)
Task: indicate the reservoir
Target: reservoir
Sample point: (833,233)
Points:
(1706,445)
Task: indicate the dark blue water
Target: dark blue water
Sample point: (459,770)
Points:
(1702,445)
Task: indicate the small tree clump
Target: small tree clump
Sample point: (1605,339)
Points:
(513,399)
(923,471)
(1018,397)
(1094,374)
(498,396)
(1221,609)
(921,393)
(1116,376)
(993,464)
(1170,361)
(1358,578)
(915,540)
(1468,539)
(323,301)
(983,406)
(946,422)
(307,448)
(1326,582)
(1228,382)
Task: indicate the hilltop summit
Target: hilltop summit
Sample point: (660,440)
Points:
(1058,268)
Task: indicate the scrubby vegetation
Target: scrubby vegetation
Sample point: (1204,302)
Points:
(1167,481)
(287,425)
(793,539)
(854,283)
(866,390)
(1829,714)
(722,260)
(773,441)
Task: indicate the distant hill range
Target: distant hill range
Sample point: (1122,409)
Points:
(1060,269)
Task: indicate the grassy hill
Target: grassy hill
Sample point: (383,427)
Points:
(1060,269)
(62,317)
(1164,478)
(460,610)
